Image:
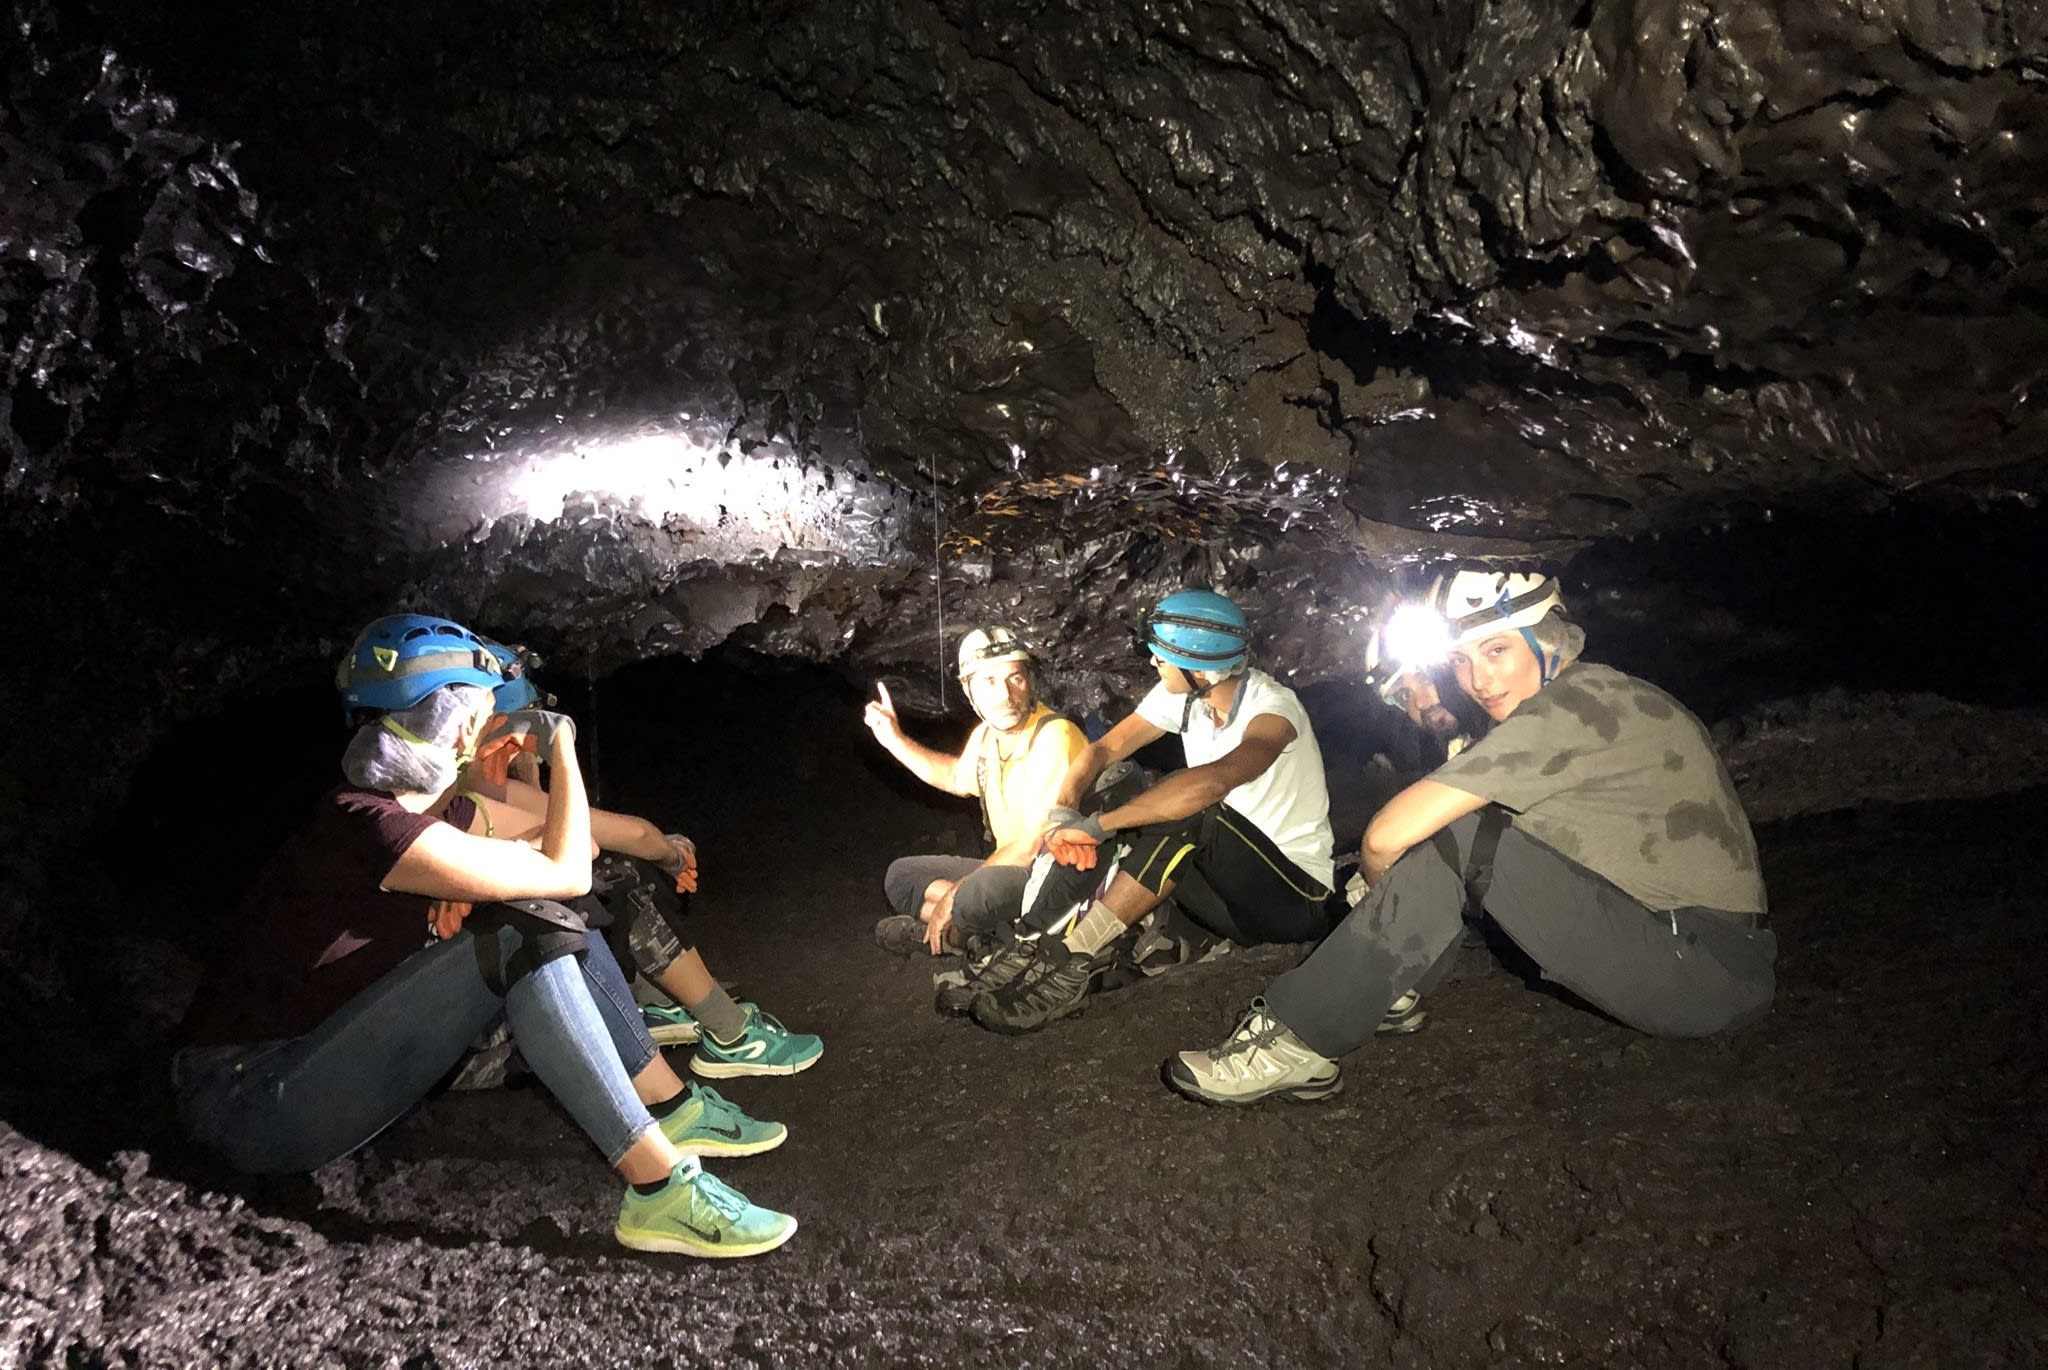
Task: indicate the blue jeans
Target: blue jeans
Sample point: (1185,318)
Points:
(296,1104)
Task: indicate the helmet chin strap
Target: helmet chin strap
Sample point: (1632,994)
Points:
(1187,712)
(1545,661)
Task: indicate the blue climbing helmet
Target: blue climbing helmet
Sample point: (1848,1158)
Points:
(400,659)
(1199,630)
(518,690)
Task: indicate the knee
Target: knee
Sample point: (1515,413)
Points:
(903,885)
(516,939)
(654,945)
(985,900)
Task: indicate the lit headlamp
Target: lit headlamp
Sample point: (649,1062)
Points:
(1414,638)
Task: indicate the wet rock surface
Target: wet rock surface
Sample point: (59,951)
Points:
(1606,259)
(1858,1177)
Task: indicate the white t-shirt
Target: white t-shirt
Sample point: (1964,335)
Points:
(1289,800)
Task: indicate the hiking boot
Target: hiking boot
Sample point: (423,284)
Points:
(765,1047)
(984,975)
(670,1025)
(1405,1014)
(696,1214)
(900,934)
(1052,985)
(1259,1059)
(711,1125)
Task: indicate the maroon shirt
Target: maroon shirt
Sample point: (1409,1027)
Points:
(314,929)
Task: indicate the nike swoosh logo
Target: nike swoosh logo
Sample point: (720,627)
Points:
(732,1133)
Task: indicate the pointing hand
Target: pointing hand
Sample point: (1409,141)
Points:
(880,716)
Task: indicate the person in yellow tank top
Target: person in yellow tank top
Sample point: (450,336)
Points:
(1013,762)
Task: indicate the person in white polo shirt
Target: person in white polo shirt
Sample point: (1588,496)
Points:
(1240,839)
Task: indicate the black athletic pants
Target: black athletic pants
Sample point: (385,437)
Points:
(1684,973)
(639,915)
(1222,871)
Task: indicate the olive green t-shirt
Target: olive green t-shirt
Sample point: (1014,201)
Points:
(1617,775)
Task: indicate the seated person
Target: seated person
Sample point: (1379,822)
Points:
(1240,839)
(1013,761)
(646,927)
(1594,824)
(1414,689)
(338,1010)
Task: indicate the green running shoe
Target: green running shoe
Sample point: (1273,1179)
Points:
(709,1124)
(670,1025)
(696,1214)
(765,1048)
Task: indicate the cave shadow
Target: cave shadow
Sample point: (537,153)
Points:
(1915,596)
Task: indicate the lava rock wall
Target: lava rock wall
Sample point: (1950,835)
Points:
(1072,301)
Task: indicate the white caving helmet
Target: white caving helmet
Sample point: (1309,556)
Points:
(987,646)
(1477,604)
(992,646)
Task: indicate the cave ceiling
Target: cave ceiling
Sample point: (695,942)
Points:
(640,327)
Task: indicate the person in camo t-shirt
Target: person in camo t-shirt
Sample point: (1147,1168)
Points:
(1594,824)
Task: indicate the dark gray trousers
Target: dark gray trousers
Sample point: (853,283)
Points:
(1686,973)
(989,898)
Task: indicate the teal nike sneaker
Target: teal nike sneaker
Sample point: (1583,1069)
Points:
(695,1214)
(670,1025)
(766,1047)
(711,1125)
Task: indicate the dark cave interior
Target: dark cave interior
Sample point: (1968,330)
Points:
(737,357)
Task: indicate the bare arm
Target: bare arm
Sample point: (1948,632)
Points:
(527,806)
(1196,788)
(1120,742)
(1416,814)
(445,863)
(628,834)
(940,770)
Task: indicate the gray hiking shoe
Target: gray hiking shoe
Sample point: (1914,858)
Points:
(1261,1058)
(1405,1014)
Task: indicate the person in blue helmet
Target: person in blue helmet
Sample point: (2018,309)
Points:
(1593,823)
(644,923)
(339,1007)
(1240,839)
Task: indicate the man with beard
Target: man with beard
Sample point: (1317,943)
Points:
(1013,762)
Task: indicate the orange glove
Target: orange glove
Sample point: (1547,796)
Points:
(1073,839)
(681,862)
(446,915)
(1072,847)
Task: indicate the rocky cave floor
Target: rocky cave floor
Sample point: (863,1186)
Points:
(1858,1179)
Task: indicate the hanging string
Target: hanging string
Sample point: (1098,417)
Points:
(938,578)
